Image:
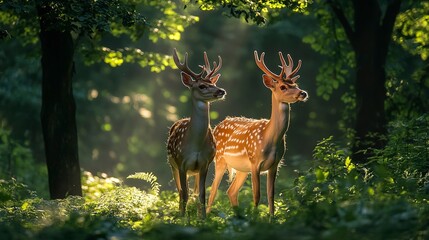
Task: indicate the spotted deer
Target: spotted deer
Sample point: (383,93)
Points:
(248,145)
(191,146)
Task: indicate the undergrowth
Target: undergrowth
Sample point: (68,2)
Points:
(387,198)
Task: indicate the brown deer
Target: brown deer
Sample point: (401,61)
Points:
(248,145)
(191,146)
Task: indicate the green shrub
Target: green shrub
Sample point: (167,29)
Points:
(406,156)
(17,162)
(333,199)
(93,187)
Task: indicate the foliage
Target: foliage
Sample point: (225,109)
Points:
(106,34)
(148,177)
(334,198)
(12,191)
(253,11)
(89,21)
(412,27)
(95,186)
(338,198)
(335,75)
(407,80)
(123,117)
(330,40)
(407,92)
(406,156)
(17,162)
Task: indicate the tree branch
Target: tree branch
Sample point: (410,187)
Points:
(339,13)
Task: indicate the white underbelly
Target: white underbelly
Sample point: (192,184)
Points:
(239,162)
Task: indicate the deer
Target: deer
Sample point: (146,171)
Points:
(191,145)
(254,146)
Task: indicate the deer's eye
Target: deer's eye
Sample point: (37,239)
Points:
(202,87)
(283,88)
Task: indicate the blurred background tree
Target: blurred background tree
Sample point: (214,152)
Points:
(123,113)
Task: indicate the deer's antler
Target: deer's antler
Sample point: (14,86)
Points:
(184,67)
(288,69)
(261,64)
(207,67)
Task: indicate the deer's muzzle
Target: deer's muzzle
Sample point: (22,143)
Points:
(220,93)
(303,96)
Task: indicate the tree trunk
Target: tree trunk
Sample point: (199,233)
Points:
(370,40)
(370,51)
(58,108)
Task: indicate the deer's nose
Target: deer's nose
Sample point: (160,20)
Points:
(220,92)
(303,95)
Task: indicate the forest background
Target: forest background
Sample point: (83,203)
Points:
(124,108)
(128,93)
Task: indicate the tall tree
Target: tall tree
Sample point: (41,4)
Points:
(369,34)
(58,105)
(65,27)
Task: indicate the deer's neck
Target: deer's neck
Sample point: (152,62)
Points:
(278,122)
(199,123)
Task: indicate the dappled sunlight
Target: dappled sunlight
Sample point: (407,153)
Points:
(115,99)
(141,103)
(108,194)
(214,115)
(145,113)
(171,113)
(171,109)
(141,98)
(93,94)
(126,99)
(184,98)
(94,186)
(95,154)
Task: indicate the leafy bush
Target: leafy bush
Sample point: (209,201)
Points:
(94,186)
(11,191)
(381,200)
(333,199)
(17,162)
(406,156)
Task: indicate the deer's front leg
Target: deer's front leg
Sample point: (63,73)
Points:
(256,185)
(220,168)
(202,190)
(183,192)
(271,178)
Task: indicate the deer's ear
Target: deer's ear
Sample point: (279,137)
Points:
(268,81)
(187,80)
(214,79)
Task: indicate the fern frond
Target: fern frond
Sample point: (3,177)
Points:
(148,177)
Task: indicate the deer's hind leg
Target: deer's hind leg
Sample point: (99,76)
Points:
(234,188)
(176,178)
